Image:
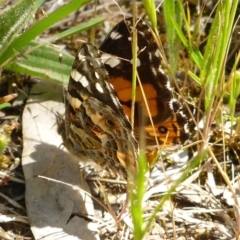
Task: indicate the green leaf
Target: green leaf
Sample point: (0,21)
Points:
(214,60)
(3,142)
(14,20)
(43,62)
(137,198)
(194,53)
(4,105)
(80,28)
(39,3)
(39,27)
(234,88)
(194,77)
(172,11)
(150,8)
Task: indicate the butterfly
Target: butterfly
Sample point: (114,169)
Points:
(95,123)
(98,101)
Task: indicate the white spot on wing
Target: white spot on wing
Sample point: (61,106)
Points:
(115,100)
(81,57)
(150,56)
(161,70)
(115,35)
(76,76)
(89,48)
(171,103)
(110,60)
(169,86)
(96,75)
(84,81)
(99,88)
(138,62)
(157,53)
(74,102)
(186,128)
(154,71)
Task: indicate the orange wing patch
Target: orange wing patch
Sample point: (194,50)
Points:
(170,125)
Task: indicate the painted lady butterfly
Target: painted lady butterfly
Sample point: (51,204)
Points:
(98,101)
(97,127)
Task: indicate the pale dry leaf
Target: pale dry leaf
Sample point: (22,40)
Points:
(51,202)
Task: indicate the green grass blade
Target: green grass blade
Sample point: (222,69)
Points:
(213,67)
(194,77)
(149,6)
(194,53)
(3,140)
(44,63)
(192,165)
(13,21)
(4,105)
(137,198)
(39,3)
(41,26)
(80,28)
(171,11)
(234,88)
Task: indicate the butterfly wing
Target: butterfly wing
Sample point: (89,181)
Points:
(95,123)
(170,125)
